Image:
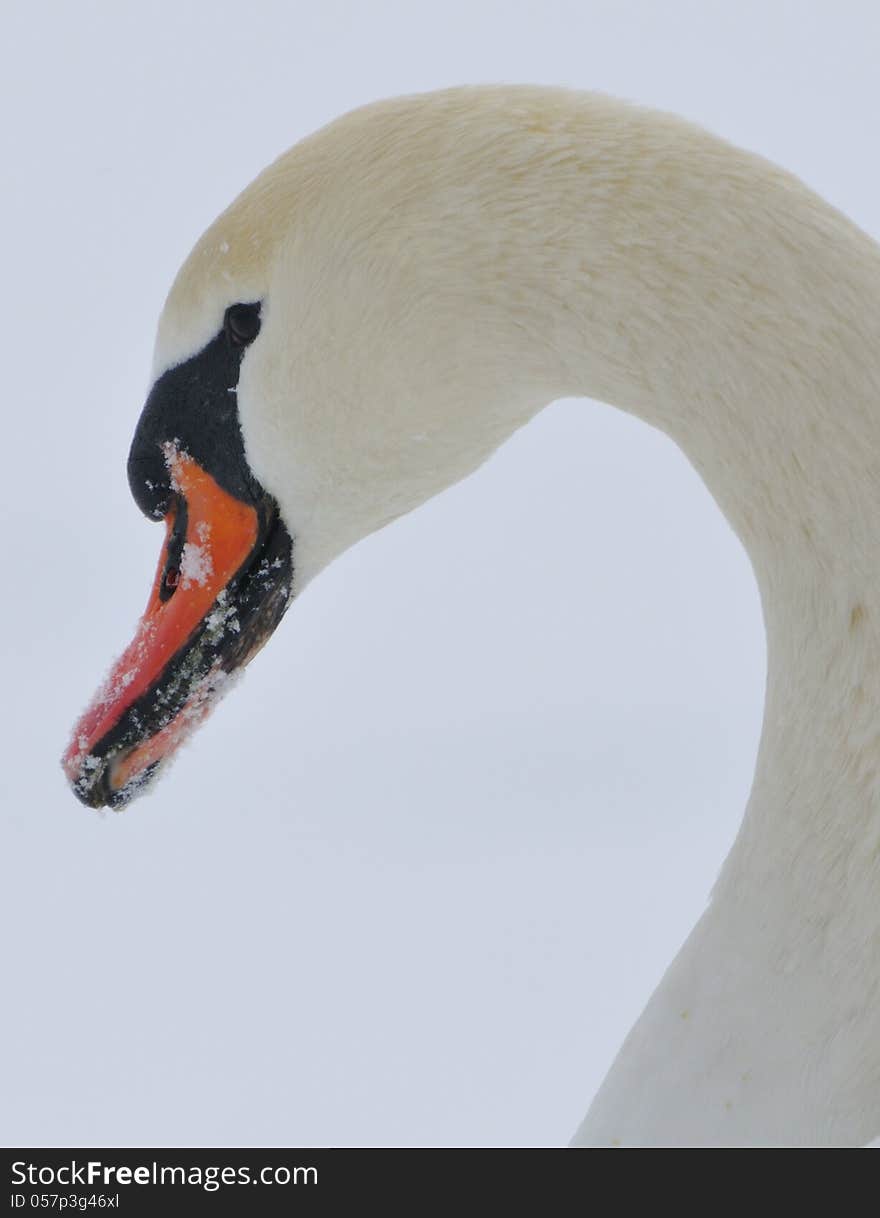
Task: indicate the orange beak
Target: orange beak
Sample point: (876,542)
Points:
(222,585)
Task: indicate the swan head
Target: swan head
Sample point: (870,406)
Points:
(224,578)
(315,376)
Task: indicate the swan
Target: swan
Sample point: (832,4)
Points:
(384,306)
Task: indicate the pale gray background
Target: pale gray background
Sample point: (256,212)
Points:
(418,875)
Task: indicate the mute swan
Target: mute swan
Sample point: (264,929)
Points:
(364,326)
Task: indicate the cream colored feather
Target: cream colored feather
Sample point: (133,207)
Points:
(434,271)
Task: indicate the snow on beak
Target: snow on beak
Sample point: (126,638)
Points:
(222,585)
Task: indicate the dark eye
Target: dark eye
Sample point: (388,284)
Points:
(242,323)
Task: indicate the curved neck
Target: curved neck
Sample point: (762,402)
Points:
(734,309)
(553,244)
(647,264)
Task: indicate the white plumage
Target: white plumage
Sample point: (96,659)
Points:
(436,269)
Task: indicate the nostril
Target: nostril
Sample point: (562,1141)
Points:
(170,580)
(175,523)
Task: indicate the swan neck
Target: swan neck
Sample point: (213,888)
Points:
(752,318)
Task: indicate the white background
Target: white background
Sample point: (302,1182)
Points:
(418,875)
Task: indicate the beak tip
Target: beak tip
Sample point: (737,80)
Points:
(92,783)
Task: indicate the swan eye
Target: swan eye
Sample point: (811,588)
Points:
(242,323)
